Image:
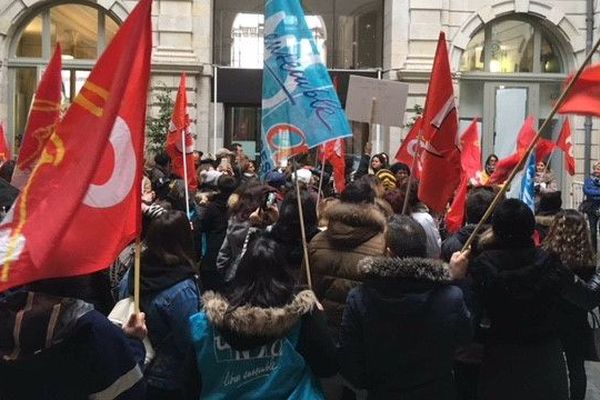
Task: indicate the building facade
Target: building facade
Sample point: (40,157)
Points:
(509,58)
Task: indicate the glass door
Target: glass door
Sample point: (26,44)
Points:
(506,106)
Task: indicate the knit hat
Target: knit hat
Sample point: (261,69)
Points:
(304,175)
(387,178)
(275,179)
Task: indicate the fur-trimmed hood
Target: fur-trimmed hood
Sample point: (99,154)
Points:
(421,269)
(404,286)
(353,224)
(544,220)
(256,322)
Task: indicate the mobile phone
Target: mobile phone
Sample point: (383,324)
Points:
(224,163)
(269,200)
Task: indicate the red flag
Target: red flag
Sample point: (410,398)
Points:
(81,204)
(584,97)
(335,153)
(470,160)
(441,159)
(410,148)
(5,153)
(179,127)
(565,143)
(543,149)
(505,166)
(45,114)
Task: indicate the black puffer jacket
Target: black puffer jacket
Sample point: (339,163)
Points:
(211,228)
(401,328)
(520,288)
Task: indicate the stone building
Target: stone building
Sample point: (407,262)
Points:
(509,57)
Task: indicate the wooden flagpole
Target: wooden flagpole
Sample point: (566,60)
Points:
(185,173)
(302,229)
(136,273)
(519,166)
(321,183)
(372,123)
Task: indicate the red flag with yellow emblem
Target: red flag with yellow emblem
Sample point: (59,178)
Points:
(81,204)
(45,114)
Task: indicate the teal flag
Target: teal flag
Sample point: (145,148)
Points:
(300,107)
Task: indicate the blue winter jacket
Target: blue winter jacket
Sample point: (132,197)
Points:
(167,314)
(591,188)
(255,353)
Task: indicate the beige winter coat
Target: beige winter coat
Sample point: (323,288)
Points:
(355,231)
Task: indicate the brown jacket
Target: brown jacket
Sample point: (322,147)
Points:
(355,231)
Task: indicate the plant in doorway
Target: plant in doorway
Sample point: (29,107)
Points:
(158,125)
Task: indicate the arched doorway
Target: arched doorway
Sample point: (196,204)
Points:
(512,67)
(83,32)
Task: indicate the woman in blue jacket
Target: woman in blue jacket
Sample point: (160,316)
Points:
(169,296)
(591,189)
(262,339)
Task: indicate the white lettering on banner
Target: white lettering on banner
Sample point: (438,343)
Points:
(294,64)
(225,353)
(444,112)
(247,376)
(120,183)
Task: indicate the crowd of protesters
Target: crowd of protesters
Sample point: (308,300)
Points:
(394,310)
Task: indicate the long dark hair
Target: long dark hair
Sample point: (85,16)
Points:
(288,223)
(249,198)
(487,162)
(262,279)
(169,239)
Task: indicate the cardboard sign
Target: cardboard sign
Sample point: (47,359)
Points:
(387,97)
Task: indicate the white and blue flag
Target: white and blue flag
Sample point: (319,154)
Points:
(528,183)
(300,107)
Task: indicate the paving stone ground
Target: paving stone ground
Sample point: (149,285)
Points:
(593,373)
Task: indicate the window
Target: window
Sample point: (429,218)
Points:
(512,46)
(349,34)
(83,33)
